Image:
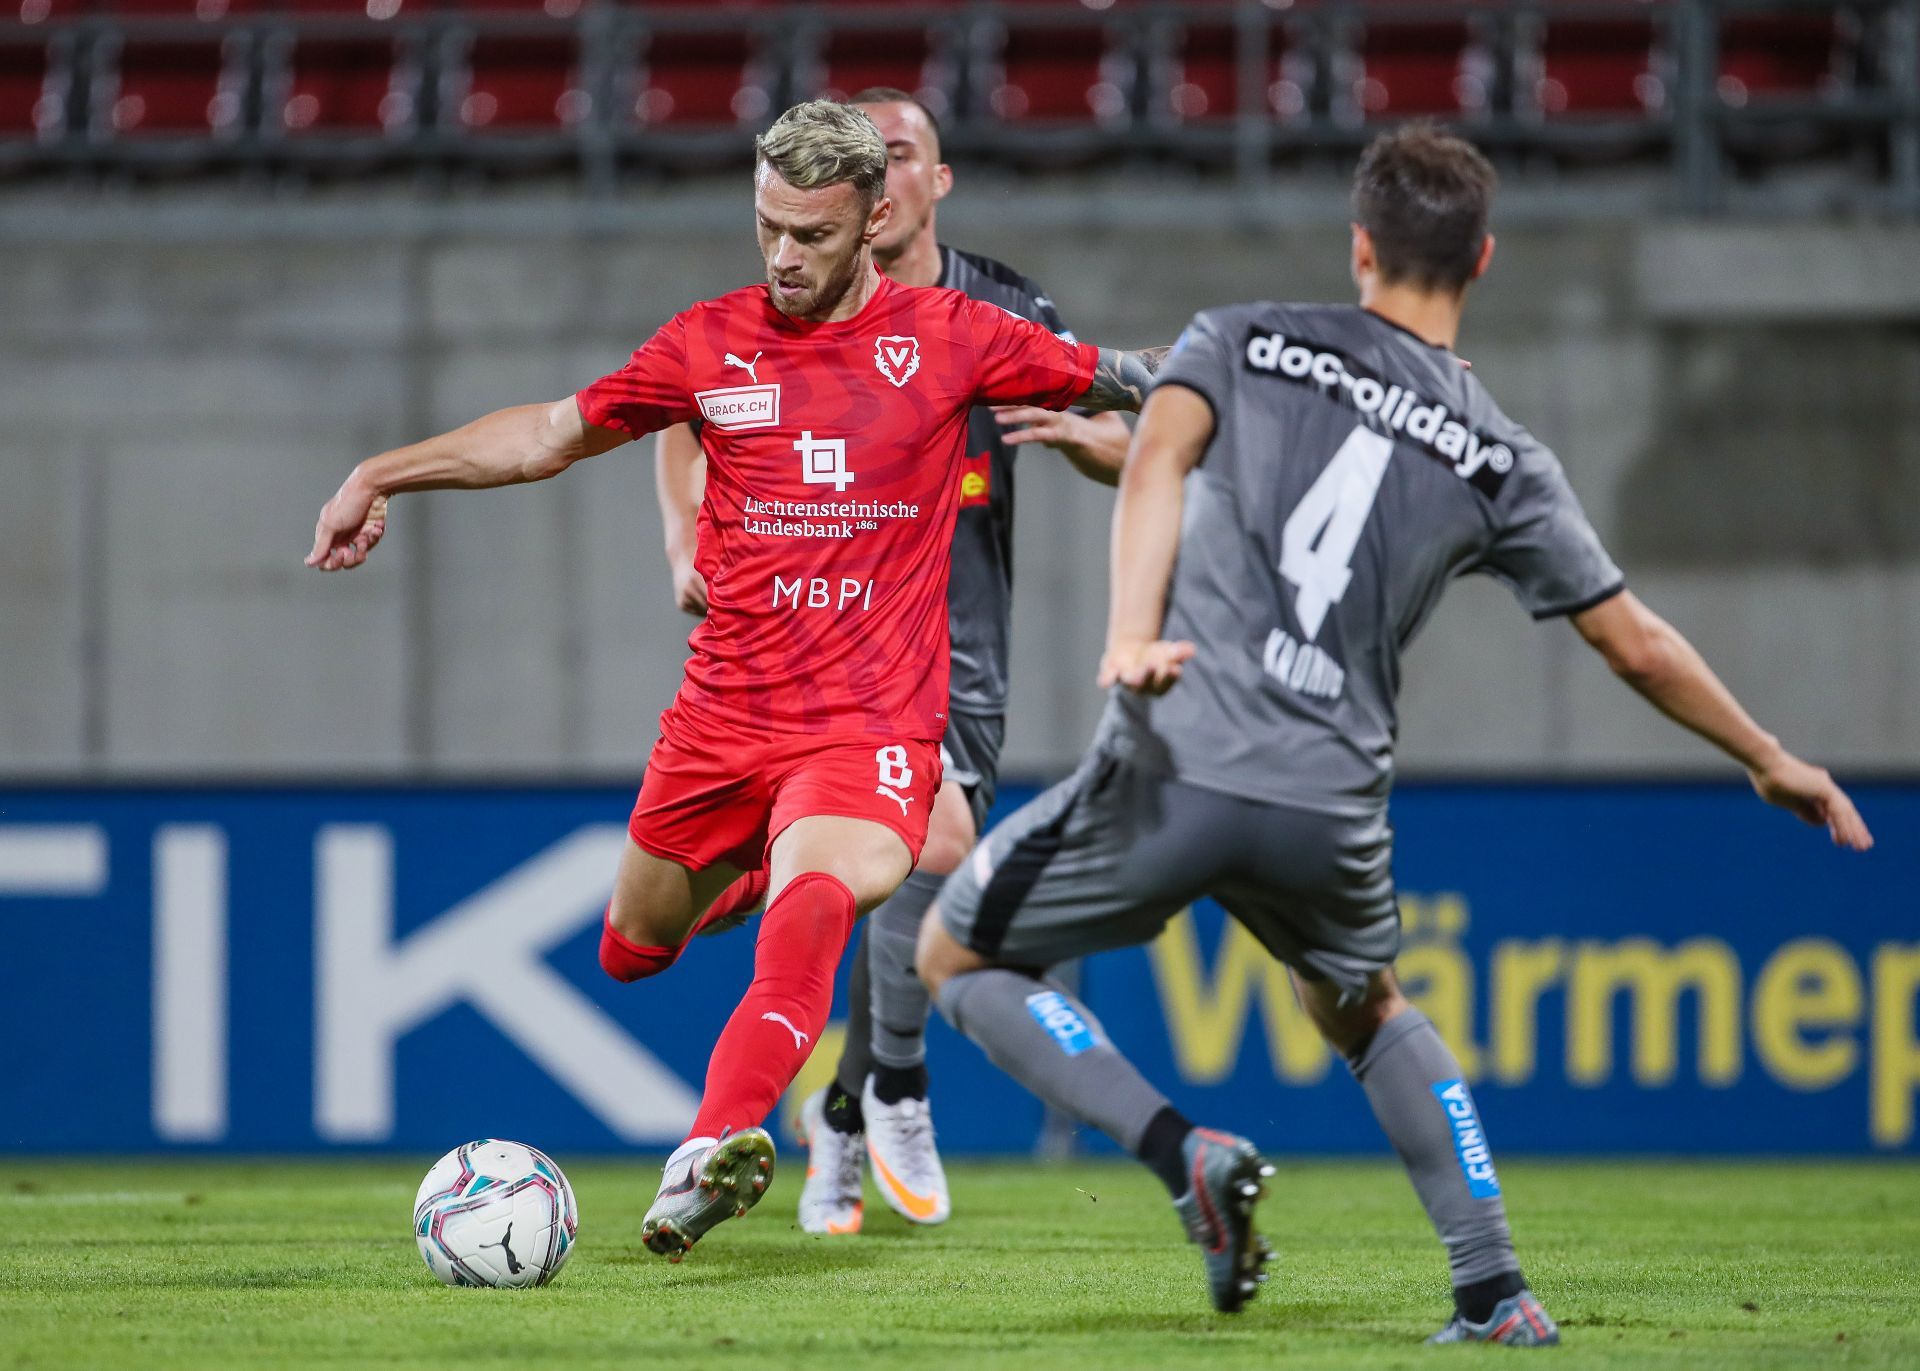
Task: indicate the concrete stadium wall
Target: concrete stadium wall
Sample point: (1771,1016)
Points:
(1739,407)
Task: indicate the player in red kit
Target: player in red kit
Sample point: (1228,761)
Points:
(800,757)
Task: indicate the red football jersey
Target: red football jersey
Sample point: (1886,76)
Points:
(832,452)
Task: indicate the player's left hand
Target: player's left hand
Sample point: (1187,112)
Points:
(351,523)
(1149,667)
(1810,792)
(1081,437)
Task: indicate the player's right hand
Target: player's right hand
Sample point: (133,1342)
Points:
(689,589)
(351,523)
(1151,667)
(1811,793)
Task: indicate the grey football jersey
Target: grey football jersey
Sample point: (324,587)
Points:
(980,590)
(1354,470)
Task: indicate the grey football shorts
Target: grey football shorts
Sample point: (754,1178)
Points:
(1105,858)
(970,753)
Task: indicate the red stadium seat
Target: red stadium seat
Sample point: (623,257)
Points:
(519,82)
(1060,74)
(699,79)
(169,86)
(206,11)
(909,59)
(35,79)
(1598,67)
(551,9)
(328,84)
(1416,67)
(1773,56)
(379,11)
(1197,76)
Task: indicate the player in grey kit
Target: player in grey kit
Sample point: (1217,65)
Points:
(1322,473)
(877,1108)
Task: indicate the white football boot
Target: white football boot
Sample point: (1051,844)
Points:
(831,1200)
(705,1181)
(906,1165)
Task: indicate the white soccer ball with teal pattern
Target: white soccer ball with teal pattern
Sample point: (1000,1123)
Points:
(496,1214)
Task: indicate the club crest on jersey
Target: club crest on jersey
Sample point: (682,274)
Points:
(897,356)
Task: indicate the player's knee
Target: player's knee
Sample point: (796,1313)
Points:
(951,833)
(1352,1031)
(626,959)
(944,852)
(939,956)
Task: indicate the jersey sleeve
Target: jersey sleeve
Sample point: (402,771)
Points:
(1202,361)
(1019,362)
(1544,548)
(650,392)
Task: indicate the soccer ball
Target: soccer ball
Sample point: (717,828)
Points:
(495,1213)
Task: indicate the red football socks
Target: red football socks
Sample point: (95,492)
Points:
(778,1021)
(629,961)
(744,893)
(625,960)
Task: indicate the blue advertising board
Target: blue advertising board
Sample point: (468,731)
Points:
(1621,968)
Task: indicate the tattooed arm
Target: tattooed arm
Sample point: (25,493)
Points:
(1120,379)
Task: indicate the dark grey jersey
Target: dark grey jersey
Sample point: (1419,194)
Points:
(980,591)
(1354,470)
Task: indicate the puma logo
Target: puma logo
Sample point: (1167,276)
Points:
(747,367)
(514,1267)
(902,800)
(799,1038)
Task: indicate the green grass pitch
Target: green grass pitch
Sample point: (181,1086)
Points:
(208,1264)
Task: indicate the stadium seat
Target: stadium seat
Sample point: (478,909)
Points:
(378,11)
(1194,74)
(168,86)
(1776,56)
(201,11)
(36,78)
(1419,66)
(1195,78)
(700,79)
(1595,67)
(510,82)
(1060,74)
(912,59)
(339,83)
(551,9)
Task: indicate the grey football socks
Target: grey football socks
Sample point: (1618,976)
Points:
(898,1000)
(1415,1086)
(887,1005)
(1047,1040)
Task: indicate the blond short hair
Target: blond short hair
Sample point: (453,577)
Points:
(822,143)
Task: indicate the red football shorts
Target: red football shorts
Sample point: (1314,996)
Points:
(716,792)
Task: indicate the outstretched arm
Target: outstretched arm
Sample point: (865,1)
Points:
(1120,379)
(1174,431)
(679,480)
(507,447)
(1096,444)
(1650,655)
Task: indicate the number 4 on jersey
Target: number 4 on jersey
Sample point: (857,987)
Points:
(1317,543)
